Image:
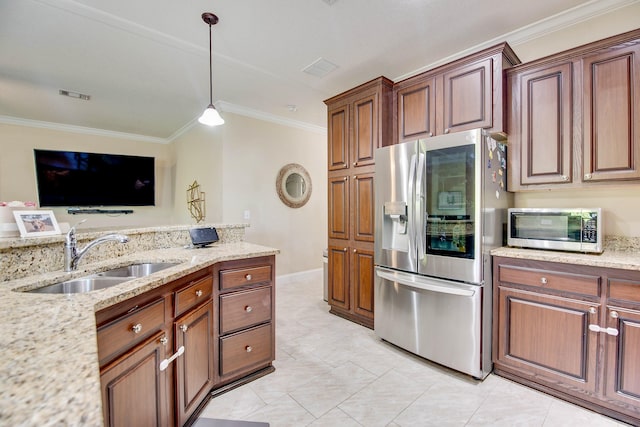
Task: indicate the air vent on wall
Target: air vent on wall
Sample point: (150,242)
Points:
(320,67)
(74,95)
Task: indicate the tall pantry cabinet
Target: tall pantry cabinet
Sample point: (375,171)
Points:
(359,121)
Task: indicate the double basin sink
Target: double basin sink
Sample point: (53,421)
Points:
(105,279)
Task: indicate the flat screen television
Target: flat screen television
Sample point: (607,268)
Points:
(69,178)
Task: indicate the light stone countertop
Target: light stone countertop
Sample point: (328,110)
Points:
(626,260)
(49,373)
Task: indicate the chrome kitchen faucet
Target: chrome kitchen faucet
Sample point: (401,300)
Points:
(73,255)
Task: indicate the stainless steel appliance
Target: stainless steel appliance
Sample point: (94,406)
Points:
(574,229)
(441,206)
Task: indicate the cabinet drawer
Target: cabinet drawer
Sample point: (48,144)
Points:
(624,290)
(568,282)
(123,333)
(243,309)
(193,294)
(245,349)
(244,276)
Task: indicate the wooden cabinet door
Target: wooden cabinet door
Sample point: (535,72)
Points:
(339,277)
(338,138)
(622,365)
(363,202)
(134,390)
(547,337)
(339,207)
(195,367)
(416,107)
(611,144)
(545,135)
(468,97)
(365,130)
(363,270)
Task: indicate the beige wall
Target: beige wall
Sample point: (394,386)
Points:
(621,204)
(17,172)
(253,153)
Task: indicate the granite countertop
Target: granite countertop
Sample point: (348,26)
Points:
(49,373)
(624,259)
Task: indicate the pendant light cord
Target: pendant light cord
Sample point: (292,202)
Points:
(210,68)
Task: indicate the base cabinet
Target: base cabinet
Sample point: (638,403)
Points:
(570,330)
(162,353)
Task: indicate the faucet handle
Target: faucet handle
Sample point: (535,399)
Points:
(71,234)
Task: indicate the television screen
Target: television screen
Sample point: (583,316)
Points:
(67,178)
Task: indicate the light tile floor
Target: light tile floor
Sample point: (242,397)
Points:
(331,372)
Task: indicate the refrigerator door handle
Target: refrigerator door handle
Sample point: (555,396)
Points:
(426,284)
(419,213)
(411,202)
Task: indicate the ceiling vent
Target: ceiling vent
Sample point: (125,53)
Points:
(320,67)
(74,95)
(329,2)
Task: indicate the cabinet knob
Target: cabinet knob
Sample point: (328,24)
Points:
(587,176)
(247,276)
(248,349)
(544,280)
(345,178)
(564,178)
(184,328)
(164,340)
(614,314)
(248,309)
(446,130)
(355,176)
(593,310)
(198,293)
(355,251)
(430,134)
(344,249)
(136,328)
(355,163)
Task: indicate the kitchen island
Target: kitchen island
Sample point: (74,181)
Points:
(49,369)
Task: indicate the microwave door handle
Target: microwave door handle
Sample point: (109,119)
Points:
(419,215)
(425,284)
(410,209)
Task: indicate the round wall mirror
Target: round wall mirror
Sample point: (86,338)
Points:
(293,185)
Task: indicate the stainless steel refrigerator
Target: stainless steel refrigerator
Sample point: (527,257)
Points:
(441,206)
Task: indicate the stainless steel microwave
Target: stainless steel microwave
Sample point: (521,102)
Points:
(578,230)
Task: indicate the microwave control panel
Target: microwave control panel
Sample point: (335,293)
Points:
(590,229)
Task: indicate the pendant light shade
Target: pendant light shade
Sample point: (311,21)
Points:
(210,117)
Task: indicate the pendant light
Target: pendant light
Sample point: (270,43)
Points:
(210,117)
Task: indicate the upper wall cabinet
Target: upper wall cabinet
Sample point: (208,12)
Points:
(465,94)
(358,124)
(573,118)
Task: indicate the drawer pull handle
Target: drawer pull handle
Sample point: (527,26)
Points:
(614,314)
(609,331)
(164,340)
(198,293)
(165,363)
(544,280)
(248,349)
(248,276)
(184,328)
(248,309)
(136,328)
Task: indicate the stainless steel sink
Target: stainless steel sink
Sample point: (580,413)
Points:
(105,279)
(83,284)
(137,270)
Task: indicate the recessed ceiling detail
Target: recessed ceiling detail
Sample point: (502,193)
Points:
(320,67)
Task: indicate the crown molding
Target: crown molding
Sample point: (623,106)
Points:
(267,117)
(80,129)
(533,31)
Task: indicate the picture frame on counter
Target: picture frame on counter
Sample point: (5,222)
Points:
(36,223)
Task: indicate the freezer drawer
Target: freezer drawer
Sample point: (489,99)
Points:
(439,320)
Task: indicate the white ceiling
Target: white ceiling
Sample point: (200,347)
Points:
(145,63)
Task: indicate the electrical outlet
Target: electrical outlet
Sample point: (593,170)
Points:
(247,214)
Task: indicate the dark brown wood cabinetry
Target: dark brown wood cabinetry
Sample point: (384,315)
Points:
(359,123)
(571,331)
(573,120)
(465,94)
(214,326)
